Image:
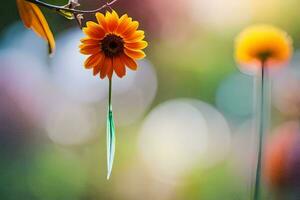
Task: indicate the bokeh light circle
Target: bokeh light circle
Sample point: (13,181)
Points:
(72,124)
(178,134)
(235,96)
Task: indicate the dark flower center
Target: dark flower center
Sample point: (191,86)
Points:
(112,45)
(264,55)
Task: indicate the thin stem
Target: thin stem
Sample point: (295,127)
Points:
(262,120)
(62,8)
(109,94)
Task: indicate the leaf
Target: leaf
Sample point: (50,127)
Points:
(67,14)
(110,134)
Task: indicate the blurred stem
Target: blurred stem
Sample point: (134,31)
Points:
(262,121)
(63,8)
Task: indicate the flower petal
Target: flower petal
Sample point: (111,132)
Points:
(40,26)
(107,65)
(136,45)
(135,37)
(102,22)
(134,54)
(93,60)
(119,67)
(112,21)
(133,26)
(129,62)
(89,49)
(110,72)
(97,68)
(24,12)
(124,21)
(88,40)
(94,31)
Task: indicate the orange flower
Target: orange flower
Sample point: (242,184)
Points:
(112,44)
(266,43)
(34,19)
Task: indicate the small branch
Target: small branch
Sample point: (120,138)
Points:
(62,8)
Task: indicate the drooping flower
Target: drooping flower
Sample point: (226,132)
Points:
(263,43)
(113,43)
(34,19)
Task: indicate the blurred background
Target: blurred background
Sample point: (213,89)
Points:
(185,120)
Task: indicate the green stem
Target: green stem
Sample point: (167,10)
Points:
(110,133)
(262,129)
(109,94)
(62,8)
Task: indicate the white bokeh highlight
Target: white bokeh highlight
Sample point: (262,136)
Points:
(213,13)
(181,134)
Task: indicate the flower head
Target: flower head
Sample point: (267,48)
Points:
(262,43)
(34,19)
(112,43)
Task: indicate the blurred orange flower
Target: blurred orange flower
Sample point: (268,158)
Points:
(112,44)
(278,153)
(34,19)
(263,43)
